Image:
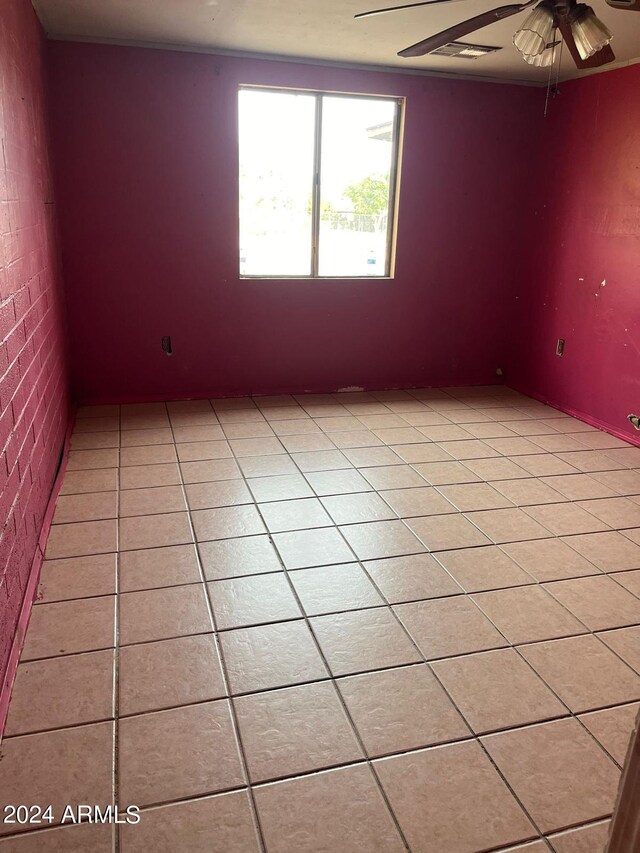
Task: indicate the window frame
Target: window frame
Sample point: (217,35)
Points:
(394,183)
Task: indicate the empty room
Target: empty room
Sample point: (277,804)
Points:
(319,426)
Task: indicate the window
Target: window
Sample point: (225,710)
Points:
(318,182)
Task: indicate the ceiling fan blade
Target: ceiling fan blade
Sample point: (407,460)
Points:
(463,29)
(602,57)
(399,8)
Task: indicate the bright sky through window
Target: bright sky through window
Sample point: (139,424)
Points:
(317,183)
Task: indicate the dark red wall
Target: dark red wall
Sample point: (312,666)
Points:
(146,157)
(585,230)
(33,400)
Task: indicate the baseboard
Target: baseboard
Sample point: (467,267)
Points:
(32,584)
(581,416)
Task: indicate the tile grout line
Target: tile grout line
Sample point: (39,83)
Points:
(223,668)
(332,680)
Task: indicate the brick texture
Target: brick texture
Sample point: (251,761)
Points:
(33,369)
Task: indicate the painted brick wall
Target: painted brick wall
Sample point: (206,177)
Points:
(33,371)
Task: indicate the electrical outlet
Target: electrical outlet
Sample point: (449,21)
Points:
(560,347)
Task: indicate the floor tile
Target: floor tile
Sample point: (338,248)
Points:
(159,614)
(61,692)
(210,471)
(280,488)
(378,539)
(470,449)
(411,578)
(588,839)
(625,642)
(195,451)
(445,627)
(149,476)
(243,601)
(452,798)
(508,525)
(444,532)
(470,496)
(66,627)
(330,589)
(305,548)
(77,577)
(163,499)
(393,477)
(629,580)
(335,810)
(270,656)
(358,508)
(221,494)
(444,473)
(58,768)
(577,487)
(355,438)
(282,516)
(89,507)
(182,671)
(219,824)
(154,531)
(610,552)
(566,519)
(85,482)
(400,435)
(528,492)
(155,567)
(496,469)
(613,728)
(558,772)
(622,482)
(255,446)
(372,457)
(395,710)
(84,460)
(449,432)
(410,503)
(363,640)
(98,838)
(478,569)
(81,538)
(527,614)
(546,464)
(226,522)
(230,558)
(598,602)
(155,454)
(590,460)
(306,443)
(549,559)
(294,730)
(205,432)
(583,672)
(513,446)
(321,460)
(617,513)
(183,752)
(338,482)
(497,690)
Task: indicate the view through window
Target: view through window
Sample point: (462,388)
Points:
(318,176)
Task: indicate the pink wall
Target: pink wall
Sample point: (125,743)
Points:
(33,398)
(585,222)
(146,165)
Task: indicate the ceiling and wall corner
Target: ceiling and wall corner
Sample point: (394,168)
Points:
(320,31)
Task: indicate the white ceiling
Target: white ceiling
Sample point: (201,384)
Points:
(319,30)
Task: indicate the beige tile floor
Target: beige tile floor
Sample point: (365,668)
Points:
(360,622)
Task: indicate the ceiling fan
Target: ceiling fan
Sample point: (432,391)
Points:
(585,35)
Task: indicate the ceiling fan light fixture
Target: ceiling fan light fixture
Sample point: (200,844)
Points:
(544,59)
(536,31)
(589,33)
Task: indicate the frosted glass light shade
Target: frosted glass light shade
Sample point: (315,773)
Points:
(542,60)
(535,33)
(589,33)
